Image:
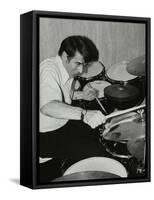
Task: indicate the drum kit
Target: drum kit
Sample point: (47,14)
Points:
(120,87)
(121,91)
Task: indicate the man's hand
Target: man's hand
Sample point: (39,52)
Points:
(89,94)
(94,118)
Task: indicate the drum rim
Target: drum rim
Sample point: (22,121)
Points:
(123,81)
(115,124)
(123,62)
(92,77)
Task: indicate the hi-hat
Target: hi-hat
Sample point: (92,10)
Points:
(137,66)
(86,175)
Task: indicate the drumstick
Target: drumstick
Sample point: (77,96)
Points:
(98,101)
(115,114)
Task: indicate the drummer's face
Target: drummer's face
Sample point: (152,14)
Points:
(75,65)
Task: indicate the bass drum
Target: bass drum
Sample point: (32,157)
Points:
(98,164)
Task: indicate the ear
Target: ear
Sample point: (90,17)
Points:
(64,56)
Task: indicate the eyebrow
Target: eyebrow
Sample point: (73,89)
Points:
(79,62)
(84,64)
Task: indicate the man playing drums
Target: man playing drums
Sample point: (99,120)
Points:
(68,132)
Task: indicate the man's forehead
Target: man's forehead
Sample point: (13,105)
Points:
(78,56)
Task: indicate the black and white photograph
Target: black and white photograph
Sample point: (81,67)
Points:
(90,111)
(76,100)
(92,115)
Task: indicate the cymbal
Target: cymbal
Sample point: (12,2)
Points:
(86,175)
(137,66)
(121,91)
(137,148)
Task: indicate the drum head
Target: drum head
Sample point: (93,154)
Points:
(118,72)
(98,164)
(93,69)
(99,86)
(126,129)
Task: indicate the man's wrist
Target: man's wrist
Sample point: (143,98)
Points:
(78,95)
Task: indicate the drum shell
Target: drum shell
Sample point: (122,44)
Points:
(116,103)
(124,100)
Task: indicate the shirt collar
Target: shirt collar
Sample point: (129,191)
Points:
(64,73)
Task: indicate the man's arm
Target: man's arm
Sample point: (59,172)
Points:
(61,110)
(78,95)
(88,94)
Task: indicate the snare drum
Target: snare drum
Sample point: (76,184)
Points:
(120,130)
(95,71)
(98,164)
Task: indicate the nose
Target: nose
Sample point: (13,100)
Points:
(80,69)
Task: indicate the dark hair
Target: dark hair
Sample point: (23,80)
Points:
(82,44)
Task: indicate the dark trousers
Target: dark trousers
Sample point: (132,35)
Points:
(75,141)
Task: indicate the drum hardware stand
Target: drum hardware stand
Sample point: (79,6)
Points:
(140,112)
(123,83)
(140,170)
(141,166)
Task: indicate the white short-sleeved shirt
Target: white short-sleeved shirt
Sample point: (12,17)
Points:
(55,84)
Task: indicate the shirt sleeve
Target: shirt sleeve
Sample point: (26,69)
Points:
(49,86)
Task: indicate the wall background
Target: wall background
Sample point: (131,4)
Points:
(10,95)
(115,41)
